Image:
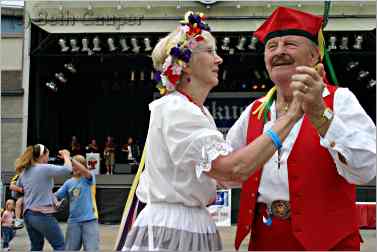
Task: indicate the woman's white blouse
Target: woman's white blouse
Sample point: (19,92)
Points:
(182,142)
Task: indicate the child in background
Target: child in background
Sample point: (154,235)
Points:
(82,226)
(7,232)
(18,195)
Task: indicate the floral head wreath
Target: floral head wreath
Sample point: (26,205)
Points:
(179,54)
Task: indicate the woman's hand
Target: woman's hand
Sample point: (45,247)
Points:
(64,154)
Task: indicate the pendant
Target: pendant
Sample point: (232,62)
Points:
(286,107)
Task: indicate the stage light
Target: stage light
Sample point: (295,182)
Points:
(74,47)
(152,75)
(363,75)
(60,77)
(52,86)
(225,45)
(255,87)
(253,43)
(123,44)
(96,47)
(141,75)
(224,74)
(149,6)
(238,6)
(352,65)
(132,75)
(231,51)
(147,43)
(70,68)
(332,43)
(241,44)
(257,75)
(110,42)
(371,84)
(344,44)
(63,46)
(178,6)
(90,7)
(358,41)
(135,47)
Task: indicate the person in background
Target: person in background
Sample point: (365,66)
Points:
(37,181)
(92,147)
(109,154)
(7,218)
(131,150)
(75,147)
(304,196)
(82,229)
(17,194)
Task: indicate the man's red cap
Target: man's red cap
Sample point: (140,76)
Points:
(287,21)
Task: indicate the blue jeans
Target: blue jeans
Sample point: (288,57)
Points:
(82,233)
(7,233)
(40,226)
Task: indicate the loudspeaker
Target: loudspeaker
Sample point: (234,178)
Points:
(122,168)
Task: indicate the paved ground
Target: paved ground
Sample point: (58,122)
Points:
(109,232)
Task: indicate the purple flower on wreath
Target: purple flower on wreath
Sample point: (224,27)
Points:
(194,19)
(157,76)
(204,27)
(175,52)
(186,55)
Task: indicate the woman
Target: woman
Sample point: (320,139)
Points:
(185,151)
(39,201)
(109,154)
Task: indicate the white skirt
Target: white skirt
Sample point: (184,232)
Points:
(173,227)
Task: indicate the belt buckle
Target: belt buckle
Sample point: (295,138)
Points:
(281,209)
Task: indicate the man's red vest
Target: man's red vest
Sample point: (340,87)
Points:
(323,209)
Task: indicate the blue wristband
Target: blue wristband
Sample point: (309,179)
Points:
(275,138)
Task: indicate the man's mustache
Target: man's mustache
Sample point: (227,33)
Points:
(282,60)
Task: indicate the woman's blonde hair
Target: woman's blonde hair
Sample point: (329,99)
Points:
(162,50)
(28,158)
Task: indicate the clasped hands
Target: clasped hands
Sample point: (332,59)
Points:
(307,87)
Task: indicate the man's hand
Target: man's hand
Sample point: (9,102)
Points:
(308,85)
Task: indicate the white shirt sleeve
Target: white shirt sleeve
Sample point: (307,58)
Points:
(237,134)
(192,137)
(352,134)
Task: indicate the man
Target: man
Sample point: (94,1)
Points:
(303,198)
(132,150)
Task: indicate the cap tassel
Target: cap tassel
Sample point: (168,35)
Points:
(264,107)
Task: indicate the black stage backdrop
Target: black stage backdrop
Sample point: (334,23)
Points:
(106,96)
(99,100)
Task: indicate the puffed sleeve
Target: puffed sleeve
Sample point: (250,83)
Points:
(191,136)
